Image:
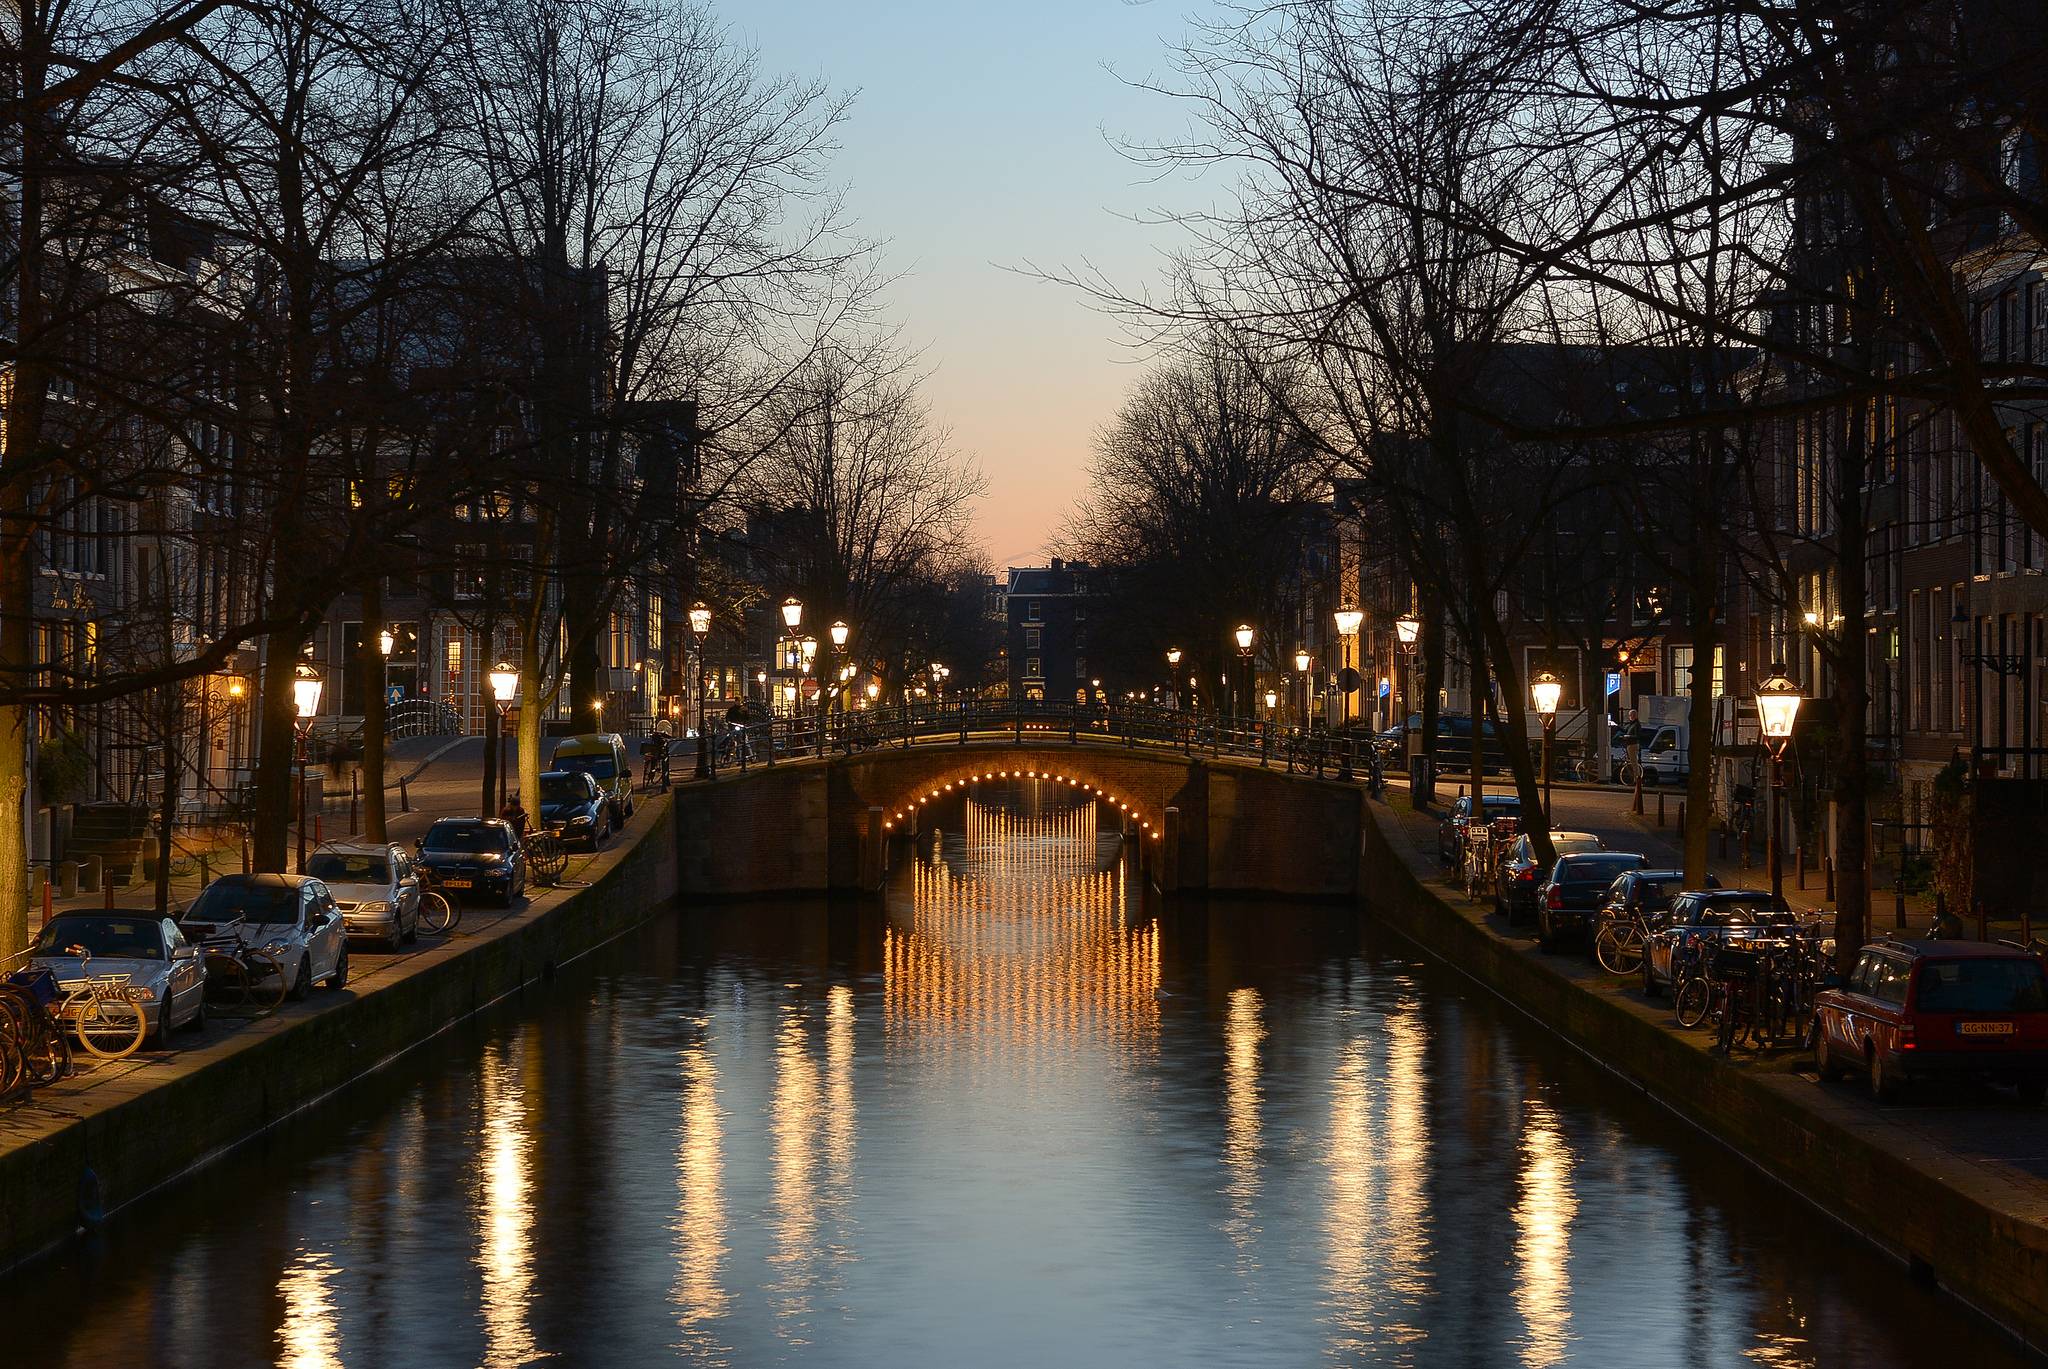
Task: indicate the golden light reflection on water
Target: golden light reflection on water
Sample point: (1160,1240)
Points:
(794,1127)
(1243,1030)
(1543,1224)
(308,1337)
(700,1226)
(505,1213)
(1377,1222)
(1023,944)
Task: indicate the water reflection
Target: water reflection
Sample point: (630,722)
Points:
(1543,1223)
(1009,1117)
(700,1225)
(505,1212)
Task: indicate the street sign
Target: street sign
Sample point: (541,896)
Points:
(1385,687)
(394,694)
(1613,682)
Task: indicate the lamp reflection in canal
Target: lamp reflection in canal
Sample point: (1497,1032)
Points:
(1543,1225)
(700,1225)
(795,1123)
(505,1213)
(308,1336)
(1378,1224)
(1016,937)
(1243,1030)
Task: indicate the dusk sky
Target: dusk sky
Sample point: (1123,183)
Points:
(977,144)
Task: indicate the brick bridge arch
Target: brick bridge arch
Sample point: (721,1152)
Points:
(806,826)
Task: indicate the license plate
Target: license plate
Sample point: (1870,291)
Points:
(1984,1028)
(456,883)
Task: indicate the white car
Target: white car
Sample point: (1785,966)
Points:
(165,976)
(374,886)
(292,917)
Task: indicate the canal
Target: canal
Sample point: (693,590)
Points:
(1011,1115)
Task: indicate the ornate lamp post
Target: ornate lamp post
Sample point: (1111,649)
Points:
(1777,708)
(700,628)
(1302,661)
(306,687)
(1244,652)
(1347,619)
(504,689)
(1545,690)
(1173,654)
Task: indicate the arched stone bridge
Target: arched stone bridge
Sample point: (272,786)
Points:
(1219,824)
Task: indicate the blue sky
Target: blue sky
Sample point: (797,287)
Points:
(977,142)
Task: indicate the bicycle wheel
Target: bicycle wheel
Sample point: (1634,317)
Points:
(14,1075)
(49,1057)
(227,983)
(111,1027)
(1619,949)
(266,980)
(437,912)
(1691,1002)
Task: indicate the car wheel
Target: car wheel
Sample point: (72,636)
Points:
(1824,1063)
(412,933)
(340,975)
(160,1039)
(1884,1085)
(1649,980)
(197,1021)
(302,983)
(1546,942)
(396,941)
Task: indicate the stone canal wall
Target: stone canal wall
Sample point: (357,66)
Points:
(803,827)
(113,1151)
(1973,1235)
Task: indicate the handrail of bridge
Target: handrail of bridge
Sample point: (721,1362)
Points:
(1342,755)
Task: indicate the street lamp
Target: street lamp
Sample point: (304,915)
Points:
(1777,708)
(700,628)
(1406,628)
(1302,661)
(504,689)
(1545,691)
(1244,651)
(792,613)
(1347,619)
(306,687)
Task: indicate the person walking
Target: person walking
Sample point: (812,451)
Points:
(514,812)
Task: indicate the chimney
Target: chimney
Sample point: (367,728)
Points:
(1058,565)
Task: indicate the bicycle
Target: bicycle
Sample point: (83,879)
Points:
(440,910)
(101,1010)
(1619,946)
(241,979)
(1629,774)
(546,856)
(37,1048)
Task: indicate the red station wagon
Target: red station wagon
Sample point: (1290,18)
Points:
(1916,1010)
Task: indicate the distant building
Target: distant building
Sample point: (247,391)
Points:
(1046,609)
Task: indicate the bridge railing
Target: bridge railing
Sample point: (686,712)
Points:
(1343,755)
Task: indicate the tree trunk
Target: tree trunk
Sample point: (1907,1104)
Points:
(276,752)
(1432,634)
(1852,702)
(370,659)
(1699,745)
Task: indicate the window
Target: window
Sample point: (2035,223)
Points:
(1033,611)
(1031,635)
(1080,665)
(1033,668)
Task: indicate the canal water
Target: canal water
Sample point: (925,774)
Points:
(1013,1114)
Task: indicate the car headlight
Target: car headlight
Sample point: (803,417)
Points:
(377,909)
(277,944)
(141,993)
(583,821)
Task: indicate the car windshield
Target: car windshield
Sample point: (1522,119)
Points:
(225,900)
(1988,985)
(464,836)
(563,789)
(1600,869)
(1571,845)
(114,938)
(349,867)
(600,767)
(1503,805)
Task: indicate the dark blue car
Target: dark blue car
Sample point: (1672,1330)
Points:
(574,808)
(474,857)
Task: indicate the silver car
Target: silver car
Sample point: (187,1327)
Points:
(290,917)
(374,886)
(166,978)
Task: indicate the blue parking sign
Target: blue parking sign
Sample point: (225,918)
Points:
(1613,682)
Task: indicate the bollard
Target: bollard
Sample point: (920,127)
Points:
(67,878)
(1899,903)
(1983,922)
(355,794)
(90,872)
(107,898)
(49,899)
(1827,870)
(404,795)
(1660,810)
(1799,863)
(316,825)
(247,866)
(1681,815)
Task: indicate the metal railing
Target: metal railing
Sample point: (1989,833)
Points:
(996,721)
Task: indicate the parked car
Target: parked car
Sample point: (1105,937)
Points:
(475,856)
(166,978)
(374,886)
(1568,899)
(1450,833)
(1916,1010)
(574,808)
(602,756)
(1713,914)
(293,917)
(1514,892)
(1641,893)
